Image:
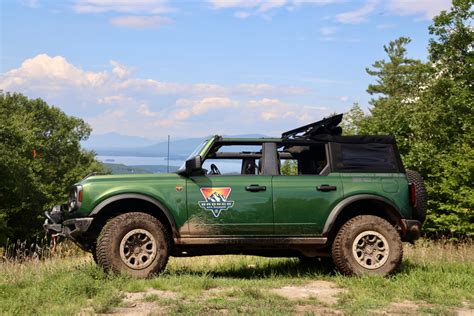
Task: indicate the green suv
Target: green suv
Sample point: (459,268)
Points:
(348,198)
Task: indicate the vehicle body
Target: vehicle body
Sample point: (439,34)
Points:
(132,223)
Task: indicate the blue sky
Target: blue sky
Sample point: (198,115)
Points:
(193,68)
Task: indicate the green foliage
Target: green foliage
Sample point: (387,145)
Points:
(352,120)
(289,167)
(40,158)
(429,108)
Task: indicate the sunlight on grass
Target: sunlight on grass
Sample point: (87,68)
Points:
(436,276)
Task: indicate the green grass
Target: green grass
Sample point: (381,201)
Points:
(436,278)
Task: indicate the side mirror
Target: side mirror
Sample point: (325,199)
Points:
(193,164)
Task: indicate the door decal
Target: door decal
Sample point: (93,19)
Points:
(216,200)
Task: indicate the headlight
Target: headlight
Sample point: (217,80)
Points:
(75,198)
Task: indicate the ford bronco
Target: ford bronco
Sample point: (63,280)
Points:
(350,200)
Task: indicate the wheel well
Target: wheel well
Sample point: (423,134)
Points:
(365,207)
(127,205)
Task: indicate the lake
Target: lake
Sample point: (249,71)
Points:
(225,166)
(139,161)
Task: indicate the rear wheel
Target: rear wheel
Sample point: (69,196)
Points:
(367,244)
(133,243)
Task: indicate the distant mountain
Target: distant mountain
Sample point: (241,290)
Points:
(115,140)
(124,169)
(179,149)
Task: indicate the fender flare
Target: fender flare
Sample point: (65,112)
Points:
(359,197)
(99,207)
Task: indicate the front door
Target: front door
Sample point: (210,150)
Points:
(230,205)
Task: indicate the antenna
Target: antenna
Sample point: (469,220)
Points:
(168,165)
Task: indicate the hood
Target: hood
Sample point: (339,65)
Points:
(128,177)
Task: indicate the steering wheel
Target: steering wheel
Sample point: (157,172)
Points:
(215,170)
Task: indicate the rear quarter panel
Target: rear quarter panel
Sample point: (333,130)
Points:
(391,186)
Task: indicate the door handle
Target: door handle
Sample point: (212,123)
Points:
(326,188)
(255,188)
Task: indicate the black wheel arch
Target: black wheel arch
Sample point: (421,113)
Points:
(361,204)
(122,203)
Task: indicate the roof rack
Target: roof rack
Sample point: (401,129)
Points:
(327,126)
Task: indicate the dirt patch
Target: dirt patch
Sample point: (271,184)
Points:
(399,308)
(407,307)
(315,310)
(135,304)
(324,291)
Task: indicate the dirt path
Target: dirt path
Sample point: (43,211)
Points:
(317,297)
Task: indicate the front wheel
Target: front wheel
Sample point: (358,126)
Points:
(135,243)
(367,244)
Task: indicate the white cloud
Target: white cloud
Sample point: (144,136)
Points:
(328,30)
(249,8)
(122,6)
(136,13)
(43,69)
(275,109)
(141,21)
(263,88)
(242,14)
(116,100)
(187,108)
(120,70)
(359,15)
(426,8)
(344,98)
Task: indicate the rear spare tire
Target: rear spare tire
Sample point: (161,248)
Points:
(135,243)
(421,202)
(367,244)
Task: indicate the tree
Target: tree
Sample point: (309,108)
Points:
(289,167)
(398,82)
(40,158)
(353,120)
(429,108)
(443,124)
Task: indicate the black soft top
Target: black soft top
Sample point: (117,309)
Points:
(328,130)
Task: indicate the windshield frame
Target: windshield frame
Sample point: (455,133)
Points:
(200,150)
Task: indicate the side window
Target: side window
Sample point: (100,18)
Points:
(303,159)
(378,157)
(233,160)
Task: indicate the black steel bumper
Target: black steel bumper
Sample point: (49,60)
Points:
(411,229)
(69,228)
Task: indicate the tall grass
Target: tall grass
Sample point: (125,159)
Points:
(436,276)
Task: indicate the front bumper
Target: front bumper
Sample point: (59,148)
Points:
(69,228)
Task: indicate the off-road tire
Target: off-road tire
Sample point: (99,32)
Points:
(419,209)
(113,235)
(345,249)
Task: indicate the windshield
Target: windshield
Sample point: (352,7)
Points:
(193,154)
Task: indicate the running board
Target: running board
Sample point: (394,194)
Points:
(251,241)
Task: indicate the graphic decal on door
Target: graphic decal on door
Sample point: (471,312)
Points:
(216,200)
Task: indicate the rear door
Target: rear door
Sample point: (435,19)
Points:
(303,201)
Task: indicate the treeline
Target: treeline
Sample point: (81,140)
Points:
(429,108)
(40,158)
